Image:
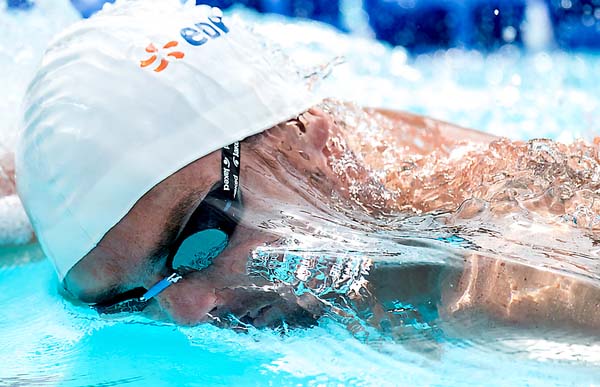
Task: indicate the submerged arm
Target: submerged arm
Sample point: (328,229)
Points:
(14,225)
(7,173)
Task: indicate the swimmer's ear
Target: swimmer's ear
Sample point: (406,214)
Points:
(316,125)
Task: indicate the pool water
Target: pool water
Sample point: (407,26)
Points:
(45,340)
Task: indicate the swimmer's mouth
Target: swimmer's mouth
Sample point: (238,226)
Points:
(251,318)
(268,316)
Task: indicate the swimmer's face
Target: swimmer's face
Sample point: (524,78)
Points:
(133,253)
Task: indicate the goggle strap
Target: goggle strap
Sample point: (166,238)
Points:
(230,178)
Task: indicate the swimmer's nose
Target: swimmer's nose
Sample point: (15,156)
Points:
(189,302)
(194,300)
(319,125)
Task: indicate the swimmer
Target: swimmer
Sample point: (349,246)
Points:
(153,167)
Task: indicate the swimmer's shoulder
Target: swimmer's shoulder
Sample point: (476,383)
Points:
(451,131)
(342,110)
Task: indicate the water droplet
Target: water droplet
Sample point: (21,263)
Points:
(566,4)
(509,34)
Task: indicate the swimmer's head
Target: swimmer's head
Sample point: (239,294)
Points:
(128,98)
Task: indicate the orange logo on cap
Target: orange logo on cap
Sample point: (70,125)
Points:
(163,62)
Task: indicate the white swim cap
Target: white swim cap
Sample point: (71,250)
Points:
(127,98)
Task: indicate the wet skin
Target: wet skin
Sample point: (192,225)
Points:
(127,256)
(287,168)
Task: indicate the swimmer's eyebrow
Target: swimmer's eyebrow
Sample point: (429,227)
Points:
(158,252)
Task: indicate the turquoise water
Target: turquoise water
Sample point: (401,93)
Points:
(45,340)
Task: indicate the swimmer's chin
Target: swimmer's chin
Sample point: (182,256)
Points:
(271,320)
(269,317)
(276,315)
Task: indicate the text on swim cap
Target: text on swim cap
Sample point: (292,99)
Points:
(203,31)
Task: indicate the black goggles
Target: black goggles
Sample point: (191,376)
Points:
(204,237)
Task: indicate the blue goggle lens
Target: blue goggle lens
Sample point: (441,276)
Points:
(198,251)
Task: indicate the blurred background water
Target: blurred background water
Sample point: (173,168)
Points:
(431,24)
(522,69)
(478,63)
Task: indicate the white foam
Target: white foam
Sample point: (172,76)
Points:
(15,228)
